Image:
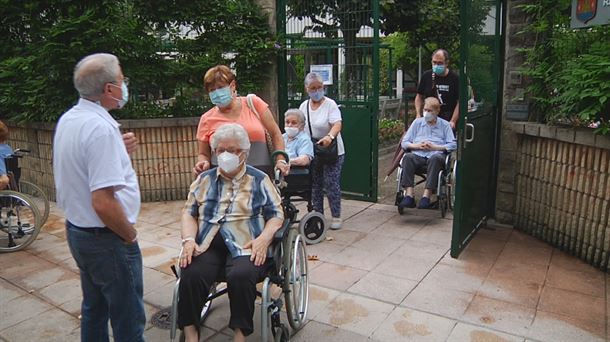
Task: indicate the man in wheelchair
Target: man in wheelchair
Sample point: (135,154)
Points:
(229,221)
(427,141)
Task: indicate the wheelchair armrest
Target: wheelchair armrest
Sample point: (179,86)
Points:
(279,234)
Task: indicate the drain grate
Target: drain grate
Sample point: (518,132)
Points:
(162,319)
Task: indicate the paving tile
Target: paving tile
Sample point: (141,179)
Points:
(403,267)
(420,250)
(435,234)
(154,255)
(19,309)
(573,304)
(62,291)
(325,250)
(317,332)
(368,220)
(356,314)
(344,236)
(51,325)
(73,306)
(319,298)
(509,269)
(433,298)
(9,292)
(527,254)
(382,287)
(410,325)
(514,291)
(397,231)
(46,277)
(499,315)
(45,242)
(361,258)
(587,281)
(455,278)
(527,241)
(161,296)
(466,332)
(566,261)
(471,261)
(485,245)
(21,265)
(559,328)
(58,254)
(153,279)
(375,242)
(334,276)
(163,236)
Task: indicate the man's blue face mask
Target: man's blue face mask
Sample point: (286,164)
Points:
(221,97)
(438,69)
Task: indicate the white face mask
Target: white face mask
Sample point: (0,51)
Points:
(228,162)
(291,131)
(428,116)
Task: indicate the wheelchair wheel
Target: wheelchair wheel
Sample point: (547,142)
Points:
(442,204)
(296,281)
(19,221)
(399,197)
(38,196)
(312,227)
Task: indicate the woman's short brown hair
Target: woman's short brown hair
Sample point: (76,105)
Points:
(219,73)
(3,132)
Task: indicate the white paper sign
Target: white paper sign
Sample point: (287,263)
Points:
(325,71)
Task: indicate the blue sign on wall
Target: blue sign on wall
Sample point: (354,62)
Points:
(586,13)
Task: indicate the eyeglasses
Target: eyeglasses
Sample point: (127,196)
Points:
(230,150)
(125,80)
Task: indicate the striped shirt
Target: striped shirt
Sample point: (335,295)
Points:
(236,208)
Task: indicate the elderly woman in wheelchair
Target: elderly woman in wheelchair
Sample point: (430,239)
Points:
(428,141)
(231,219)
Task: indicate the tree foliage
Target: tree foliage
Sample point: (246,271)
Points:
(165,47)
(569,68)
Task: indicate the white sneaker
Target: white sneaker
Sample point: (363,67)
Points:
(335,223)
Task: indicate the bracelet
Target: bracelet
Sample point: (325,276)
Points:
(282,161)
(186,239)
(331,136)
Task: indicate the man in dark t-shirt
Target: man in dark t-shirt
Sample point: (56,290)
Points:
(442,83)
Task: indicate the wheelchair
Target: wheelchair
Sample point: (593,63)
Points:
(313,225)
(289,272)
(445,191)
(24,208)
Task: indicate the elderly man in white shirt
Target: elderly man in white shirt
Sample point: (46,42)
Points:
(428,139)
(98,190)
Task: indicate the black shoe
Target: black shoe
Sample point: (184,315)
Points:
(407,202)
(424,203)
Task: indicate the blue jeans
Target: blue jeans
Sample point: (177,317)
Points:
(111,280)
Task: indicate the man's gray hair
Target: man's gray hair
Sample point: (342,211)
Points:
(93,72)
(444,53)
(295,112)
(231,131)
(313,77)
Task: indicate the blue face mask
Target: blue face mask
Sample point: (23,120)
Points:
(438,69)
(124,94)
(221,97)
(316,95)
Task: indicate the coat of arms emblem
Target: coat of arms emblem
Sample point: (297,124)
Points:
(586,10)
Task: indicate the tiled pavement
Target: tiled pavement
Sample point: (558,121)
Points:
(383,277)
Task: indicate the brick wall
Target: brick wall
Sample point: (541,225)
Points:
(163,161)
(563,189)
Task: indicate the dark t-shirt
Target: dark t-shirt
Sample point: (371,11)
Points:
(445,89)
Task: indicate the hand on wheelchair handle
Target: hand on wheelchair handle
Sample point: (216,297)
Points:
(201,166)
(325,141)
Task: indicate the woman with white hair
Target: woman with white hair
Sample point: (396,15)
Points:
(323,121)
(298,144)
(229,220)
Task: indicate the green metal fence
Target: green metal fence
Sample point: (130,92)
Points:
(340,40)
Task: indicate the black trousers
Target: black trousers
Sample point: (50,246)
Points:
(412,163)
(213,265)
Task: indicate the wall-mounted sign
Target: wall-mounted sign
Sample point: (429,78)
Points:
(326,71)
(586,13)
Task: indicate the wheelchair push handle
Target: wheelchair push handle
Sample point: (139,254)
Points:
(20,152)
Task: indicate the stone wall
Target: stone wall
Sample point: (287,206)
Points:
(563,189)
(163,161)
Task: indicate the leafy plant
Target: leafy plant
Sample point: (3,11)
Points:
(569,68)
(390,131)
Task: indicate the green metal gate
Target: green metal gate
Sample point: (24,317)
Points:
(481,54)
(340,40)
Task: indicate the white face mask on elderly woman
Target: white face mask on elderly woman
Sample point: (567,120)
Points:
(228,162)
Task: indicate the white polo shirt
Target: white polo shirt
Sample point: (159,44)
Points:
(89,154)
